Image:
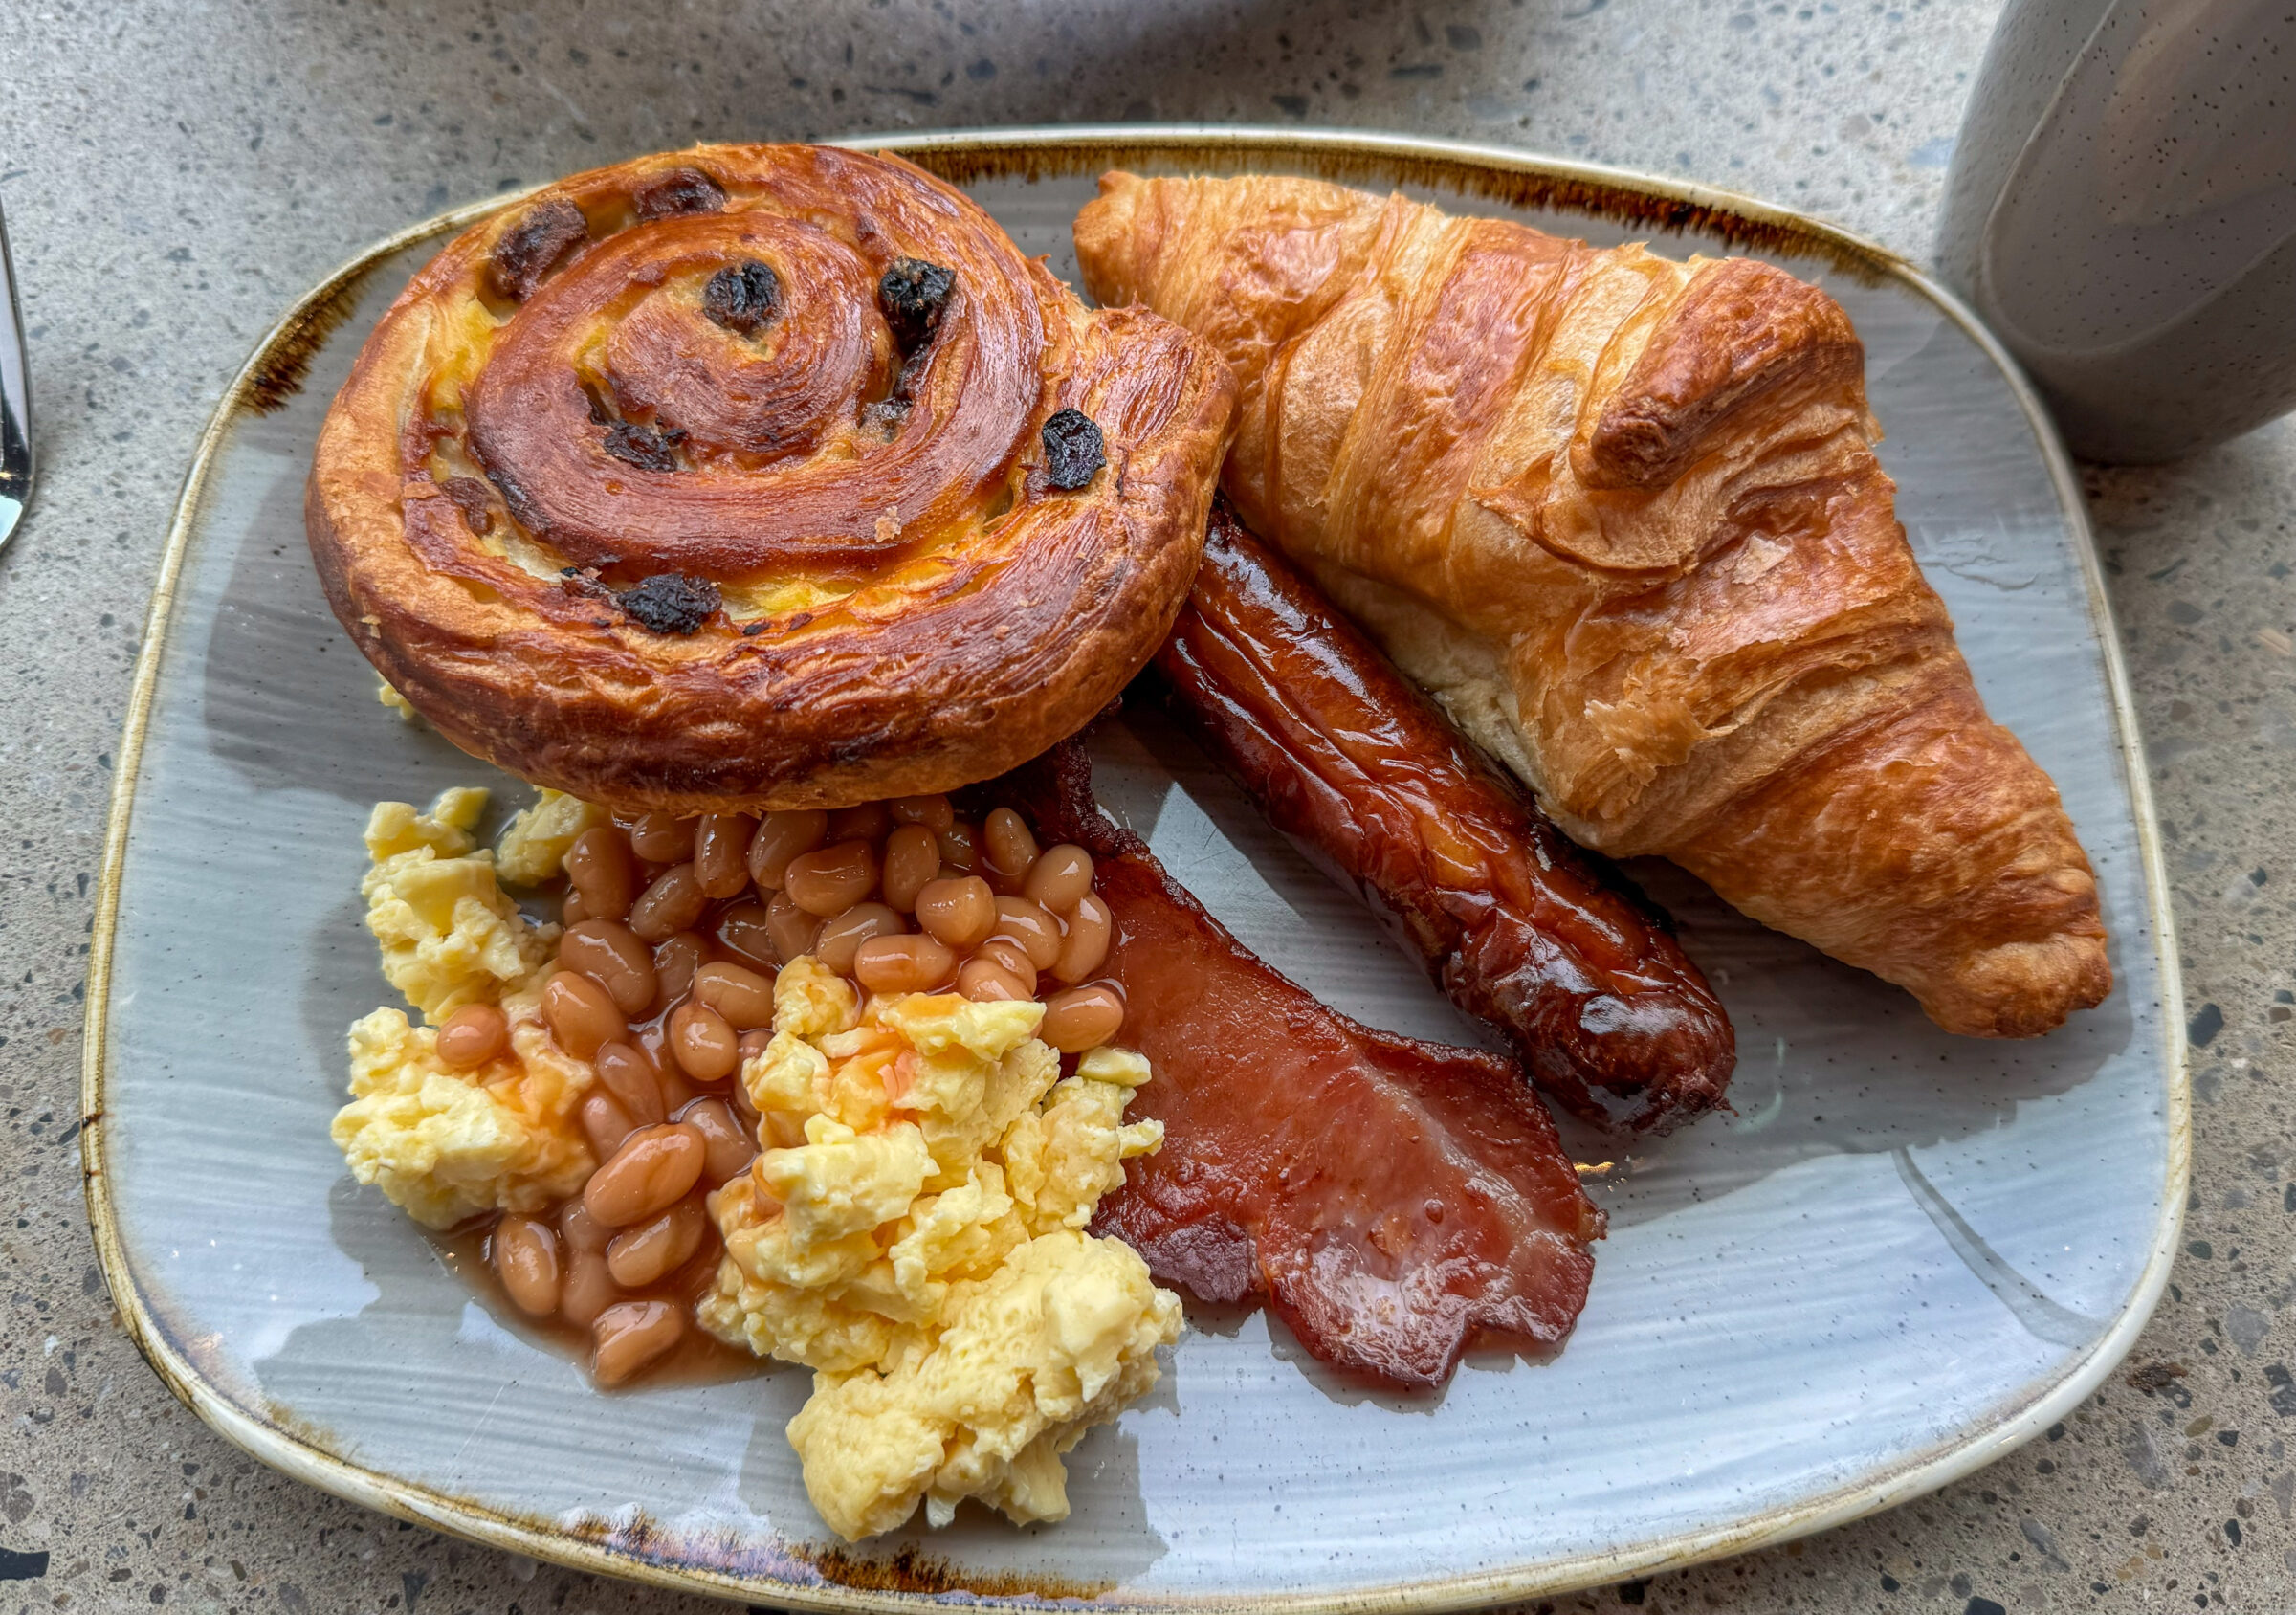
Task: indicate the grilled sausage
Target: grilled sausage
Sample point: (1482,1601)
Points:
(1544,941)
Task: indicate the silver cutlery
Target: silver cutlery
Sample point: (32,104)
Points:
(15,401)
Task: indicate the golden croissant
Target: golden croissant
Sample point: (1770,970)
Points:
(1623,516)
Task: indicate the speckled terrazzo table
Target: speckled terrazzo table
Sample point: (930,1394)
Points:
(174,175)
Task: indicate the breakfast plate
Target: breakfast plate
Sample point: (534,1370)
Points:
(1898,1257)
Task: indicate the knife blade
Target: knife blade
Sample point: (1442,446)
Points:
(15,401)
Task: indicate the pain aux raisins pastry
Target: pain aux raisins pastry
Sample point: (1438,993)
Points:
(761,477)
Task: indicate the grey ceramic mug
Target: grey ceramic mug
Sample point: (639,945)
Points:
(2122,210)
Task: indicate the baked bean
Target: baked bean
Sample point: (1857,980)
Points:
(676,1092)
(676,963)
(913,964)
(611,955)
(745,1109)
(603,874)
(629,1077)
(632,1335)
(961,849)
(473,1035)
(1062,877)
(1080,1018)
(934,812)
(832,879)
(639,1256)
(663,838)
(742,929)
(743,997)
(580,1014)
(753,1043)
(579,1230)
(604,1122)
(781,837)
(960,912)
(984,981)
(867,821)
(730,1146)
(571,909)
(791,927)
(1037,932)
(839,937)
(1009,956)
(1008,852)
(588,1290)
(525,1253)
(721,853)
(703,1043)
(911,861)
(1085,949)
(654,1168)
(652,1040)
(673,902)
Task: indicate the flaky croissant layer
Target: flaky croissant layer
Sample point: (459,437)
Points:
(1623,517)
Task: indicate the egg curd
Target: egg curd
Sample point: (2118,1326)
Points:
(448,1144)
(532,846)
(398,703)
(914,1232)
(451,935)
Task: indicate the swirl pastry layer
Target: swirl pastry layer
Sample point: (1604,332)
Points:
(761,477)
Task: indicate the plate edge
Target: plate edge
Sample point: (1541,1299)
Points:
(1573,186)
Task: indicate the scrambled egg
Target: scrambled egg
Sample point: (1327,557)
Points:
(532,848)
(449,1145)
(398,703)
(449,934)
(915,1233)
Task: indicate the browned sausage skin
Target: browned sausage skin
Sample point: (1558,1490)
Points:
(1520,927)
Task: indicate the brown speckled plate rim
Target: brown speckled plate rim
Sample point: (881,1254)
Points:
(276,371)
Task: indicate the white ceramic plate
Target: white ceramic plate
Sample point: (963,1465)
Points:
(1903,1254)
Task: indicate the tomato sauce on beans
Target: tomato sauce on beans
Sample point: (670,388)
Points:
(664,982)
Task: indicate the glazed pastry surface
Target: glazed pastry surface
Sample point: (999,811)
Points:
(1623,516)
(759,477)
